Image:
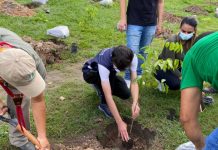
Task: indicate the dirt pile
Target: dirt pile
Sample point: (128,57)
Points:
(196,10)
(141,138)
(12,8)
(171,18)
(49,51)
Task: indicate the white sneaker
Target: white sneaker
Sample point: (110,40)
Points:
(160,86)
(186,146)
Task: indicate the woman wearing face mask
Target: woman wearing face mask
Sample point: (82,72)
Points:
(185,37)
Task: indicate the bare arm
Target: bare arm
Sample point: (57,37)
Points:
(122,23)
(160,16)
(190,102)
(122,127)
(135,95)
(39,114)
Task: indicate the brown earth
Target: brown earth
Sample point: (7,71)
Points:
(196,10)
(141,138)
(49,51)
(107,139)
(12,8)
(171,18)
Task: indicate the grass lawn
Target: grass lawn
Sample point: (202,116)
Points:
(93,28)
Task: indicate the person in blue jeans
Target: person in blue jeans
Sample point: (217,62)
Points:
(141,21)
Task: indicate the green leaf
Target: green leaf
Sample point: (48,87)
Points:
(165,66)
(175,64)
(172,46)
(140,57)
(167,44)
(181,48)
(143,66)
(170,63)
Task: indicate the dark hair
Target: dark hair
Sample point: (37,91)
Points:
(203,35)
(190,21)
(122,57)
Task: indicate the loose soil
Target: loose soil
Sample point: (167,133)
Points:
(171,18)
(49,51)
(33,5)
(107,139)
(141,138)
(196,10)
(12,8)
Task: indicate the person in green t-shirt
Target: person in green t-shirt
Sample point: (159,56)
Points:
(199,65)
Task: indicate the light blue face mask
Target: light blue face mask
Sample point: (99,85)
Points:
(186,37)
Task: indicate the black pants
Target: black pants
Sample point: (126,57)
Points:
(171,79)
(117,83)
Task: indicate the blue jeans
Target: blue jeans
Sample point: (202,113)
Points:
(138,37)
(212,141)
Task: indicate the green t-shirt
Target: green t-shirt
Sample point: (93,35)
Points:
(201,63)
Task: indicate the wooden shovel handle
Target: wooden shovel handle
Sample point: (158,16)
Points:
(30,137)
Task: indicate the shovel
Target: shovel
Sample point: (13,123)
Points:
(26,133)
(132,120)
(129,143)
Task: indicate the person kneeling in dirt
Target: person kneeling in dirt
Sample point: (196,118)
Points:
(199,65)
(22,75)
(101,72)
(186,37)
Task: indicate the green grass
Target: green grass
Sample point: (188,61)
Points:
(93,28)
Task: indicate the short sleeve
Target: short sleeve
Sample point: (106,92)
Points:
(103,72)
(134,64)
(190,76)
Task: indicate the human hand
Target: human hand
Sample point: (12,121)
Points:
(158,30)
(135,110)
(3,108)
(121,26)
(122,129)
(44,143)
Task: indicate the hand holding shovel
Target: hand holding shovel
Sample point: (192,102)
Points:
(135,112)
(26,133)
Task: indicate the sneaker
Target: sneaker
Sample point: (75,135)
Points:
(99,93)
(208,100)
(210,90)
(104,108)
(28,146)
(160,86)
